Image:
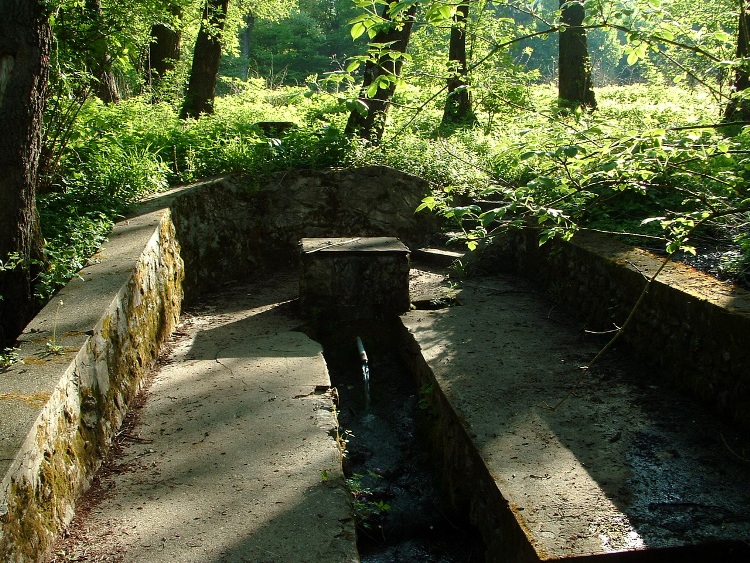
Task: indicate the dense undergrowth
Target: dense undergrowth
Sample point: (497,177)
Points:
(646,164)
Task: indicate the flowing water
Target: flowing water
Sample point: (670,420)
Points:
(399,513)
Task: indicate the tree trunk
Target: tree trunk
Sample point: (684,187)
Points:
(458,103)
(246,43)
(370,124)
(25,40)
(201,89)
(574,81)
(738,109)
(164,50)
(100,60)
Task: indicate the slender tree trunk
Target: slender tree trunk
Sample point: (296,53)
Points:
(201,89)
(738,109)
(246,41)
(370,124)
(25,40)
(458,103)
(100,60)
(574,81)
(164,50)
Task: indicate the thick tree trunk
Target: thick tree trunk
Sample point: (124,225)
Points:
(25,39)
(458,103)
(100,60)
(370,125)
(246,41)
(574,82)
(201,89)
(164,50)
(738,109)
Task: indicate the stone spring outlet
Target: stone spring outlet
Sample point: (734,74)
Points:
(60,411)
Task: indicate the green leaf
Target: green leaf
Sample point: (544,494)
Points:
(722,35)
(459,212)
(447,11)
(357,30)
(571,150)
(372,89)
(666,34)
(358,106)
(427,203)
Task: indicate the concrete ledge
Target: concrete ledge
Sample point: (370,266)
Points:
(692,326)
(84,357)
(625,469)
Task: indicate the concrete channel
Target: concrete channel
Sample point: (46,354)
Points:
(235,456)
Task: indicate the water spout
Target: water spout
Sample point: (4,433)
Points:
(363,358)
(365,371)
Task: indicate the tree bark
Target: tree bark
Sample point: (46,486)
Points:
(100,60)
(246,41)
(574,81)
(164,50)
(458,103)
(25,42)
(201,89)
(738,109)
(370,125)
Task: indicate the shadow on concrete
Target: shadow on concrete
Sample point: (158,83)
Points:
(624,463)
(234,457)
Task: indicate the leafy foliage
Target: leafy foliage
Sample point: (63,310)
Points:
(646,163)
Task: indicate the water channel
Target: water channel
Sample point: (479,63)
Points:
(400,516)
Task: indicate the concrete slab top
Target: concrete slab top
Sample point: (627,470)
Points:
(589,463)
(353,245)
(234,456)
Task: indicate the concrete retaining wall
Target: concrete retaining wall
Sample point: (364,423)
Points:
(85,355)
(84,358)
(695,328)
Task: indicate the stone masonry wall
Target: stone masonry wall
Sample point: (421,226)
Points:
(693,327)
(84,356)
(86,353)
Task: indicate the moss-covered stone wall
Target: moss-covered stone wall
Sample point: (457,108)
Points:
(86,353)
(88,372)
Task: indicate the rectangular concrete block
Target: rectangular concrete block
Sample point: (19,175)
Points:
(354,278)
